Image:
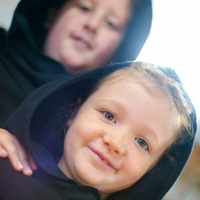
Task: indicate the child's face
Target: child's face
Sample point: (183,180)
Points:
(118,134)
(86,33)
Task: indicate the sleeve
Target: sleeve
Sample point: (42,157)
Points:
(15,185)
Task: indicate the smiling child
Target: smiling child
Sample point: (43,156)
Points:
(134,120)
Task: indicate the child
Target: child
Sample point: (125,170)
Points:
(50,39)
(130,138)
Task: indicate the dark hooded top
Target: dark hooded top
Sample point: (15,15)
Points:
(39,122)
(23,66)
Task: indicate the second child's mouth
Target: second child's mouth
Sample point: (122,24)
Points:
(82,43)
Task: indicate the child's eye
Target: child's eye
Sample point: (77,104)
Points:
(111,24)
(84,8)
(109,116)
(142,143)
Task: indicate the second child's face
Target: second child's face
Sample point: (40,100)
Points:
(86,33)
(118,135)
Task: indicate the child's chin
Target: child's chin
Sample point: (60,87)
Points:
(91,179)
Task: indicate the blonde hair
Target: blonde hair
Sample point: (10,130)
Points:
(158,84)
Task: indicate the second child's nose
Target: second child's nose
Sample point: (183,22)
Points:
(93,23)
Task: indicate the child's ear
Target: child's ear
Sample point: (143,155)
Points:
(51,15)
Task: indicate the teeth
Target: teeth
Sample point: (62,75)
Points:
(83,42)
(104,161)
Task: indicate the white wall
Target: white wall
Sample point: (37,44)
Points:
(6,11)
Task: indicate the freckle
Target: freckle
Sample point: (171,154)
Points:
(115,172)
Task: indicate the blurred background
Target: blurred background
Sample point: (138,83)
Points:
(174,41)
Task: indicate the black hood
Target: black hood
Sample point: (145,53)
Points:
(33,119)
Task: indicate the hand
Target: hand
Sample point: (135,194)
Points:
(10,147)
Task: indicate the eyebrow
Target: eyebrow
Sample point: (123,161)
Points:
(114,102)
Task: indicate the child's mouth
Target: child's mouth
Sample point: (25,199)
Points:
(104,160)
(82,44)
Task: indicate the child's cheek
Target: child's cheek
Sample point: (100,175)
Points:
(136,166)
(86,125)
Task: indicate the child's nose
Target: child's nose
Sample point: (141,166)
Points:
(116,142)
(93,22)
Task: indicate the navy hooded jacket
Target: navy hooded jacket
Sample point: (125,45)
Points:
(37,124)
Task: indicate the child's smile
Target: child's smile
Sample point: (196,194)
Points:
(102,159)
(118,134)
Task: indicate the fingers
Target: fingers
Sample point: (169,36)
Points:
(26,159)
(13,155)
(28,164)
(23,156)
(3,153)
(26,168)
(11,147)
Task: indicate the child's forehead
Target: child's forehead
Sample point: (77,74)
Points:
(115,84)
(128,90)
(117,88)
